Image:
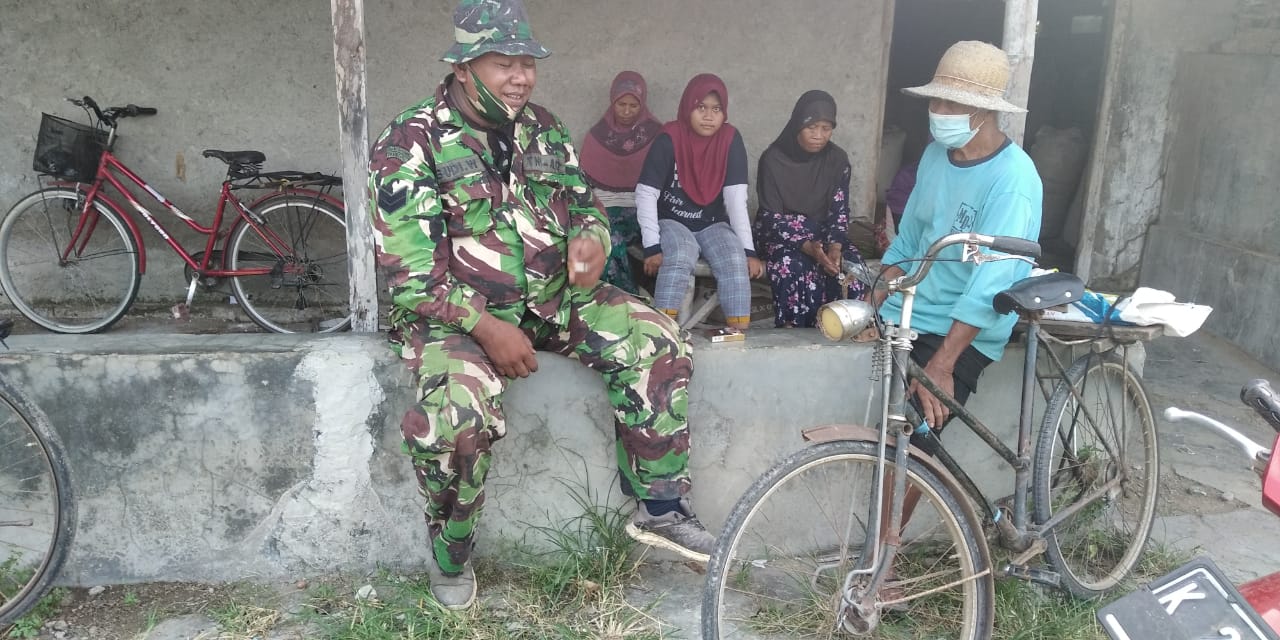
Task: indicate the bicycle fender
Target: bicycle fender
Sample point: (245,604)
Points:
(238,220)
(831,432)
(310,193)
(119,211)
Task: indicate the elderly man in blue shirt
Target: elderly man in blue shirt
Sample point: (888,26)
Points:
(972,178)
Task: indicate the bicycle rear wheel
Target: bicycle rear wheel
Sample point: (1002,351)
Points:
(90,290)
(779,565)
(37,511)
(307,291)
(1107,435)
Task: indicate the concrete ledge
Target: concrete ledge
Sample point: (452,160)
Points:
(223,457)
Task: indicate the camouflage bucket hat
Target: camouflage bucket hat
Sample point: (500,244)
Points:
(499,26)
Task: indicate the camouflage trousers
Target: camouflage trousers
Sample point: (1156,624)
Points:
(448,434)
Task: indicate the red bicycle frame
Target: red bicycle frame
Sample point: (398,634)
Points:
(96,193)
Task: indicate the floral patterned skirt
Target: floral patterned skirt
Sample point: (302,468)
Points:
(800,285)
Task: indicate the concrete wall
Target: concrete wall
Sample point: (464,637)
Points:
(221,457)
(234,74)
(1217,240)
(1156,36)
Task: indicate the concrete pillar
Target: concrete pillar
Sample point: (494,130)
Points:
(353,122)
(1020,18)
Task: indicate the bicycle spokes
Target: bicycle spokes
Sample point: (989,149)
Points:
(800,561)
(1097,473)
(298,250)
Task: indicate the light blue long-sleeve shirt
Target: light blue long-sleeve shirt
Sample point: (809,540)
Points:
(1000,196)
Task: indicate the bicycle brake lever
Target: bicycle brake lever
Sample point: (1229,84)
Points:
(978,258)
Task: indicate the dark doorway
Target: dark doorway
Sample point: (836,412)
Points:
(922,31)
(1066,88)
(1066,84)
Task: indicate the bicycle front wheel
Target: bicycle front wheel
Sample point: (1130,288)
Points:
(37,511)
(88,290)
(304,242)
(791,541)
(1097,449)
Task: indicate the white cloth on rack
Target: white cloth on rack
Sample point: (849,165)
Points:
(1149,306)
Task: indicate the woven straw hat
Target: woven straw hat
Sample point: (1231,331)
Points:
(971,73)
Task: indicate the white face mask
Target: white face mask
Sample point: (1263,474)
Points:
(952,130)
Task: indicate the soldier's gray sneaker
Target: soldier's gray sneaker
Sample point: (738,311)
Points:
(678,531)
(452,592)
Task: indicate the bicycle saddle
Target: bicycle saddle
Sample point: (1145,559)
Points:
(236,157)
(1039,293)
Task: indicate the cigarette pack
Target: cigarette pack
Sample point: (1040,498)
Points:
(726,334)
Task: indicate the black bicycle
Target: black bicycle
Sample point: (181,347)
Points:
(37,508)
(824,543)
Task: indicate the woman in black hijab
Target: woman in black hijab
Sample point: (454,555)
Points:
(803,221)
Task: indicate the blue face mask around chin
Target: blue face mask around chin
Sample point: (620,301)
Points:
(951,130)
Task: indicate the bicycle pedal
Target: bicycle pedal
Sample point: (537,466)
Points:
(277,275)
(1036,546)
(1033,574)
(181,312)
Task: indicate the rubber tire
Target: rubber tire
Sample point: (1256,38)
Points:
(971,531)
(64,532)
(244,230)
(1043,473)
(112,218)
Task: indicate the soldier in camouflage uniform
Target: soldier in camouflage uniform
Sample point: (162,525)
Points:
(494,245)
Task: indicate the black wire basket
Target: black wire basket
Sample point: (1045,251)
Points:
(68,150)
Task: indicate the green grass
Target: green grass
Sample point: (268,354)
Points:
(574,590)
(247,611)
(12,578)
(29,625)
(1028,612)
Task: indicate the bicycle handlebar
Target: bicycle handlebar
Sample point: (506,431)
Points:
(1016,246)
(1250,448)
(1259,396)
(111,114)
(1005,244)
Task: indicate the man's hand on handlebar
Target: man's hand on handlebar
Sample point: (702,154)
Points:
(876,296)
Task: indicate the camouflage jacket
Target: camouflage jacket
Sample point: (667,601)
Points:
(454,238)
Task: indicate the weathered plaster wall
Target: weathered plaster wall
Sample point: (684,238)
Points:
(1216,239)
(223,457)
(1157,35)
(234,74)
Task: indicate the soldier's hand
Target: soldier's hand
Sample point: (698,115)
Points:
(652,264)
(508,348)
(586,262)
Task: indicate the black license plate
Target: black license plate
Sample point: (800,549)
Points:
(1195,602)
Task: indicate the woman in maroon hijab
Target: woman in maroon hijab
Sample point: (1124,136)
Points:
(691,202)
(612,156)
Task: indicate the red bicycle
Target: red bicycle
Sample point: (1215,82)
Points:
(72,258)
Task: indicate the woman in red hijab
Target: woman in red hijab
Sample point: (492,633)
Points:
(612,156)
(691,202)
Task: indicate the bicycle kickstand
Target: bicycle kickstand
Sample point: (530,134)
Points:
(182,310)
